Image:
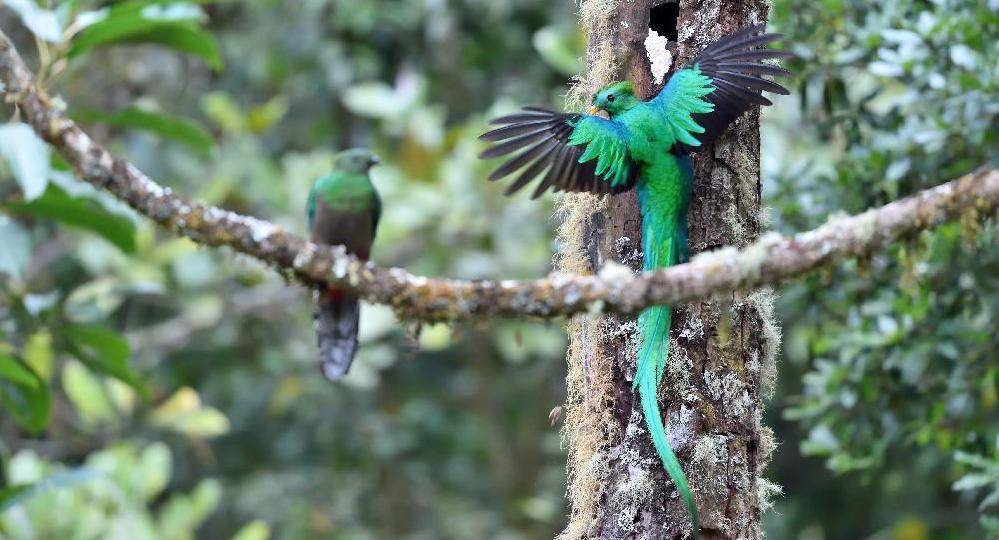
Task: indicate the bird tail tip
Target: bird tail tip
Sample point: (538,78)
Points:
(336,319)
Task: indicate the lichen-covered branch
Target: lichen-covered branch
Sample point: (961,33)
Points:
(772,259)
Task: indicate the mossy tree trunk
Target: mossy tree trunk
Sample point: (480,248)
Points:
(723,349)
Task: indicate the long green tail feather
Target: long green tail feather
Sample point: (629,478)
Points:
(654,326)
(663,242)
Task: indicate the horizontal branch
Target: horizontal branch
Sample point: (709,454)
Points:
(772,259)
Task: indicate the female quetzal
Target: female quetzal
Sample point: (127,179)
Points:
(343,209)
(644,145)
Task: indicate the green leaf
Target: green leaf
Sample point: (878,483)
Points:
(87,394)
(105,351)
(37,352)
(11,495)
(184,413)
(12,370)
(130,26)
(973,481)
(976,460)
(152,470)
(78,189)
(181,130)
(29,403)
(81,213)
(254,530)
(16,253)
(263,117)
(222,109)
(107,342)
(185,37)
(182,514)
(28,156)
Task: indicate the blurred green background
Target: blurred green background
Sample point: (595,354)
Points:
(154,389)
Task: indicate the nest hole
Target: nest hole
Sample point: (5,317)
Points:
(663,19)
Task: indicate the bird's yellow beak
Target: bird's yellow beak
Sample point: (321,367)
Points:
(593,109)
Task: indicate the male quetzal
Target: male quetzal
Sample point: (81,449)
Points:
(343,209)
(644,145)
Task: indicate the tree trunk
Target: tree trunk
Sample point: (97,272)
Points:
(723,350)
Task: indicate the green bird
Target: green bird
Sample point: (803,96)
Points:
(343,209)
(644,145)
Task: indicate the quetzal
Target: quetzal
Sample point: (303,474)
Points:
(644,145)
(343,209)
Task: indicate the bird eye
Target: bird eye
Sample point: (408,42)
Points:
(610,98)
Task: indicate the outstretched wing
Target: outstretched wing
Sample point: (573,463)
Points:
(576,152)
(720,84)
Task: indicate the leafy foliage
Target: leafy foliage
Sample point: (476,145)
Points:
(179,129)
(106,497)
(57,205)
(172,24)
(983,476)
(895,355)
(151,385)
(23,394)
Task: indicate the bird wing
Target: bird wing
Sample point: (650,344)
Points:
(359,198)
(376,211)
(576,152)
(720,84)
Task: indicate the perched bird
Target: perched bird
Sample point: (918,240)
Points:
(343,209)
(644,145)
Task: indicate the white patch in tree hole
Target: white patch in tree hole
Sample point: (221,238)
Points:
(660,57)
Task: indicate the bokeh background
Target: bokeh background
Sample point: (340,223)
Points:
(155,389)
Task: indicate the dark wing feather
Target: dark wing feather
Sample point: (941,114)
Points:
(735,66)
(540,139)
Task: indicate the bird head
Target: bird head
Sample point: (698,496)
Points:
(355,160)
(615,98)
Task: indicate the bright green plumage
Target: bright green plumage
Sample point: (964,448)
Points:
(663,201)
(344,189)
(663,196)
(644,145)
(639,135)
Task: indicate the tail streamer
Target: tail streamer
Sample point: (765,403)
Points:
(663,243)
(654,325)
(336,318)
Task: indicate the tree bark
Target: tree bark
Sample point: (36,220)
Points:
(723,349)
